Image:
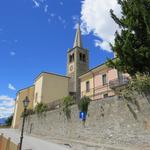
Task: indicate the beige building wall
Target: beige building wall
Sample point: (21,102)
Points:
(50,87)
(38,90)
(19,104)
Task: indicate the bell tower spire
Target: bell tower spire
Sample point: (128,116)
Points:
(78,39)
(77,64)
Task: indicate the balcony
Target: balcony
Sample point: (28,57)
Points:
(113,84)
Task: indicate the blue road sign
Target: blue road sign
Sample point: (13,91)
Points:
(82,115)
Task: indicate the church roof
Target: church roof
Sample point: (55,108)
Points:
(78,40)
(100,66)
(26,88)
(49,73)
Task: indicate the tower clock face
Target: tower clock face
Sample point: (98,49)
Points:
(71,68)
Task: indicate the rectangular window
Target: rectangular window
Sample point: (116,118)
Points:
(87,86)
(104,79)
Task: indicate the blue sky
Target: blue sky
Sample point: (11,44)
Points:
(35,36)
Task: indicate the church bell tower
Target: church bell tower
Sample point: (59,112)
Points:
(77,64)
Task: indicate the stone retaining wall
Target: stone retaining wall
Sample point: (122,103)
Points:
(109,121)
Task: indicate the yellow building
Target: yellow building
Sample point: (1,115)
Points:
(87,85)
(50,87)
(21,95)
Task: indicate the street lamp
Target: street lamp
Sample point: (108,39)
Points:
(25,105)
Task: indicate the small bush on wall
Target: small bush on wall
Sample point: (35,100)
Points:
(84,104)
(83,107)
(40,108)
(67,102)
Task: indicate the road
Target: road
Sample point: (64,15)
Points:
(31,143)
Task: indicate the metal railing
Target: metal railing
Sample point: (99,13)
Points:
(118,82)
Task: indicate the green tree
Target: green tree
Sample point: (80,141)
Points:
(9,120)
(132,44)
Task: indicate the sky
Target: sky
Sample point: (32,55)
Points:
(36,34)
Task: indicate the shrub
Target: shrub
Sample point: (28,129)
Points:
(68,101)
(140,85)
(40,108)
(83,104)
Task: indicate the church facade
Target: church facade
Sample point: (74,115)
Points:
(96,83)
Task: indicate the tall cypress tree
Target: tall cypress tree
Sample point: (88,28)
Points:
(132,43)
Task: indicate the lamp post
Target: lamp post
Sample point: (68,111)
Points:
(25,105)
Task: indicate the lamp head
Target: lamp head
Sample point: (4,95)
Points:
(26,102)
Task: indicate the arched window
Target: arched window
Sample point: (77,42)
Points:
(71,58)
(82,57)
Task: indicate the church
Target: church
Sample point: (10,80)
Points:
(50,88)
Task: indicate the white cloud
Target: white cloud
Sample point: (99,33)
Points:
(63,21)
(36,3)
(10,103)
(12,53)
(6,112)
(52,15)
(5,98)
(59,18)
(46,8)
(76,25)
(61,3)
(6,109)
(11,87)
(6,106)
(102,44)
(76,20)
(95,18)
(41,3)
